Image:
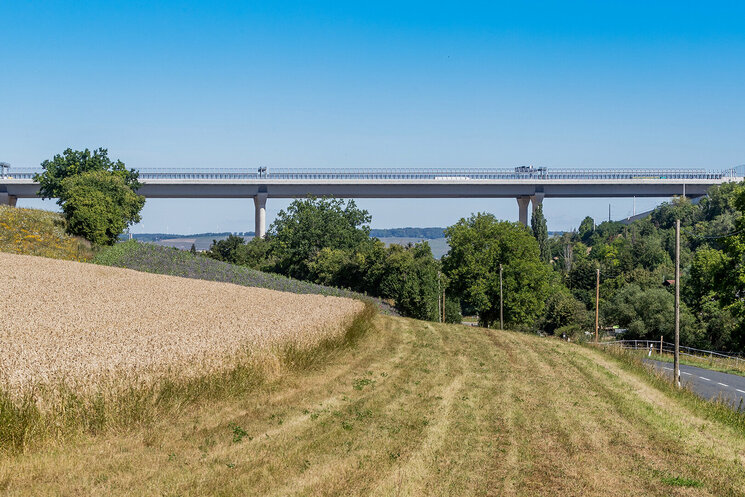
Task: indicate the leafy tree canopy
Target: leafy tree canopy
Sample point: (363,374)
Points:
(99,205)
(540,232)
(309,225)
(74,162)
(478,245)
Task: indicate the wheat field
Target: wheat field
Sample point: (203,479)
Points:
(80,324)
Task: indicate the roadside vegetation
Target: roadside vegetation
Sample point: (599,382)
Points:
(722,365)
(637,271)
(417,408)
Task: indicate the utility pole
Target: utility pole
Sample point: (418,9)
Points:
(439,302)
(676,366)
(597,304)
(501,301)
(443,305)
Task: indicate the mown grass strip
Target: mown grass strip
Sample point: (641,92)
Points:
(722,411)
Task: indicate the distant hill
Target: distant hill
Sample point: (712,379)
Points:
(420,233)
(155,237)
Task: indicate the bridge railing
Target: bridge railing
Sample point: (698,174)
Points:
(443,174)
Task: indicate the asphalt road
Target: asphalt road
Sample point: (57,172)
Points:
(707,383)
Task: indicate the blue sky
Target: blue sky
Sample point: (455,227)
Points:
(375,84)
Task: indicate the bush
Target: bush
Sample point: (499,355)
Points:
(99,206)
(452,311)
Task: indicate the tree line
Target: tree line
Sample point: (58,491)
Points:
(548,282)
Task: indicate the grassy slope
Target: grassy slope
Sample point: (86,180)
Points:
(38,232)
(418,408)
(153,258)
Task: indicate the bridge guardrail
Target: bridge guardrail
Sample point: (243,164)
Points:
(443,174)
(723,358)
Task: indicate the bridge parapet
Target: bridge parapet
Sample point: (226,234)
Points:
(442,174)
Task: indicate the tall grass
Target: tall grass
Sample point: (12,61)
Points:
(59,412)
(41,233)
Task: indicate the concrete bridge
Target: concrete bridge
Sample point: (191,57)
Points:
(528,185)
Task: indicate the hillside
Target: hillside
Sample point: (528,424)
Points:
(153,325)
(157,259)
(38,232)
(418,409)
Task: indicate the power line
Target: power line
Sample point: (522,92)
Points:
(712,237)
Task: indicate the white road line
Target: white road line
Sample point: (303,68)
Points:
(669,369)
(722,384)
(707,379)
(683,372)
(741,391)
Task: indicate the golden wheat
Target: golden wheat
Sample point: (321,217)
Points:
(82,324)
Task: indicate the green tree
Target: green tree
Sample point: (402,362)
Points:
(732,288)
(309,225)
(540,232)
(478,245)
(586,229)
(649,314)
(562,309)
(453,312)
(410,279)
(99,206)
(74,162)
(227,250)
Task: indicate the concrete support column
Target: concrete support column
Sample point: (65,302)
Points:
(536,200)
(6,199)
(522,204)
(260,221)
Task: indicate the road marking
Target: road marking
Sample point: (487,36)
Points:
(683,372)
(741,391)
(722,384)
(707,379)
(669,369)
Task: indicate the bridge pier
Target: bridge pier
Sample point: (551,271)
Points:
(6,199)
(522,205)
(260,220)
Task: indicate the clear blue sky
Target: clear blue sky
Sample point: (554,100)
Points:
(375,84)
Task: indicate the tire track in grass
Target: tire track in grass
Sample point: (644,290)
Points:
(388,402)
(314,431)
(410,477)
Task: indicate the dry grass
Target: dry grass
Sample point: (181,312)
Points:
(85,324)
(38,232)
(416,409)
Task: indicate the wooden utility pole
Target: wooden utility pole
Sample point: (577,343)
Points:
(501,301)
(660,344)
(442,315)
(439,302)
(597,303)
(676,366)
